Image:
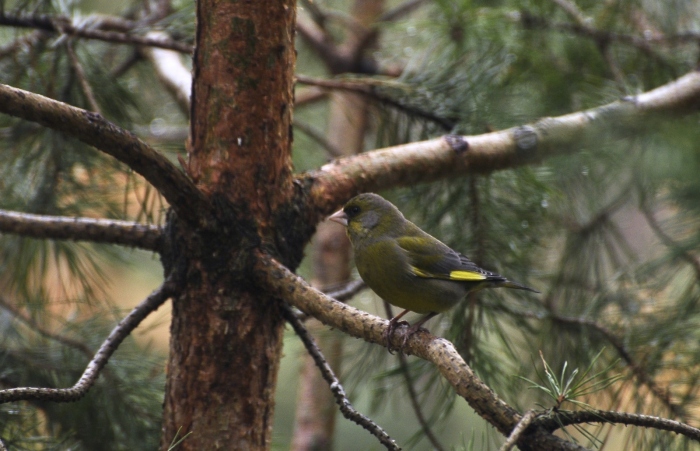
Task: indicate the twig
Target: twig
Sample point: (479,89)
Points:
(518,430)
(412,395)
(668,241)
(643,43)
(603,45)
(346,291)
(559,419)
(93,369)
(341,399)
(75,344)
(176,78)
(368,88)
(573,11)
(109,231)
(306,96)
(48,23)
(82,78)
(29,40)
(91,128)
(401,10)
(317,136)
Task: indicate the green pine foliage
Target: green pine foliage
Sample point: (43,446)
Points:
(610,233)
(580,227)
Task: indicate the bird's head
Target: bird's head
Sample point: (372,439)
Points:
(369,215)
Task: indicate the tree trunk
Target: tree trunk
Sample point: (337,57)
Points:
(226,336)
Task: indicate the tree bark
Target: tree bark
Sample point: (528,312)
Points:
(226,336)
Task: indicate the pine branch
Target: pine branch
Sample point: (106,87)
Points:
(559,419)
(108,231)
(49,24)
(30,40)
(97,364)
(453,155)
(368,88)
(639,372)
(291,288)
(341,399)
(75,344)
(187,201)
(643,43)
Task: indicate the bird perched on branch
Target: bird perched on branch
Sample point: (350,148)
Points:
(406,266)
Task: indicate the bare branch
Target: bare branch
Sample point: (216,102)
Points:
(309,95)
(401,10)
(453,155)
(176,78)
(291,288)
(317,38)
(347,291)
(48,23)
(93,369)
(518,430)
(82,229)
(341,399)
(187,201)
(558,419)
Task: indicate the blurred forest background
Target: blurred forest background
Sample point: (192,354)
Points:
(609,234)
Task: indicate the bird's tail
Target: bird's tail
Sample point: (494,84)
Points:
(516,285)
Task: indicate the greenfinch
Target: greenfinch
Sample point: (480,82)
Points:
(406,266)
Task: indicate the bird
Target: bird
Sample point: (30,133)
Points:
(406,266)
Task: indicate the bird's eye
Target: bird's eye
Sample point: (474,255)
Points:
(352,210)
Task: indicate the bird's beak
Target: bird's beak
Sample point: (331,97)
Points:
(340,217)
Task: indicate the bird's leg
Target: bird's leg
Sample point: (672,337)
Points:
(413,329)
(393,322)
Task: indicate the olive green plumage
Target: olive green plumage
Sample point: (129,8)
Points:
(406,266)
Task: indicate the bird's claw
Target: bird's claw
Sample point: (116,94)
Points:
(390,331)
(392,327)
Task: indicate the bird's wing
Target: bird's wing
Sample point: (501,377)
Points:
(438,261)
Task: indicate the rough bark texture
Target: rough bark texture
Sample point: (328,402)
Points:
(226,336)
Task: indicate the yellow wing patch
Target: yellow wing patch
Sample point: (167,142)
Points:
(466,276)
